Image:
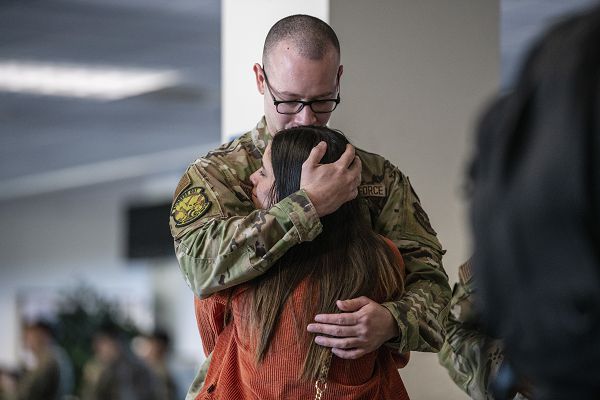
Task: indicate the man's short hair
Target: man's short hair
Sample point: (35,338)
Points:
(42,325)
(311,36)
(161,336)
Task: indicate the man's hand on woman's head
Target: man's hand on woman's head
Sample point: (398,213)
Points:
(362,327)
(330,185)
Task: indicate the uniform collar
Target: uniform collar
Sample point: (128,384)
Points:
(260,135)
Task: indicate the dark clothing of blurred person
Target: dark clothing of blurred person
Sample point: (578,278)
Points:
(536,214)
(8,383)
(155,354)
(125,379)
(167,387)
(49,375)
(41,382)
(116,373)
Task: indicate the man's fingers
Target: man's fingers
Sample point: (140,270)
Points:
(350,354)
(356,170)
(356,166)
(339,343)
(347,157)
(337,319)
(333,330)
(316,154)
(353,304)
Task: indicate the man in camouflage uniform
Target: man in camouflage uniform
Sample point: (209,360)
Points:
(221,240)
(472,358)
(50,375)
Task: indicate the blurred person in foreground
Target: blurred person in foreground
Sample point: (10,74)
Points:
(48,373)
(257,331)
(115,373)
(222,240)
(536,214)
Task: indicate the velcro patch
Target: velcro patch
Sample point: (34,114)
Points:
(184,182)
(465,272)
(189,206)
(423,219)
(371,190)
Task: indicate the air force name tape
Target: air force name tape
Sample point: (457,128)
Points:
(371,190)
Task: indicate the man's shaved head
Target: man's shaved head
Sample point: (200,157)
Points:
(311,37)
(302,57)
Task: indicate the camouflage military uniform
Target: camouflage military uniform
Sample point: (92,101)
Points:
(221,240)
(43,381)
(471,357)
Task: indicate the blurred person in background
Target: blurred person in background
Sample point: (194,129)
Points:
(47,374)
(8,383)
(536,215)
(115,373)
(222,240)
(155,352)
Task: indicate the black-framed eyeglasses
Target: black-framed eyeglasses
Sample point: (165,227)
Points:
(320,106)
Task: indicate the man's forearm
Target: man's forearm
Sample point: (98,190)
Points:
(226,252)
(471,358)
(422,311)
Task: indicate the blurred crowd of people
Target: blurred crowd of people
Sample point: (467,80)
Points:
(118,369)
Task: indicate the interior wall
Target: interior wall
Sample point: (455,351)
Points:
(416,75)
(413,84)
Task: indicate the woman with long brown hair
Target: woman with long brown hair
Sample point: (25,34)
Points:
(256,332)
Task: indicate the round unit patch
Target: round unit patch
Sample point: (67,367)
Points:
(189,206)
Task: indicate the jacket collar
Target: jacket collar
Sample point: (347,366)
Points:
(260,135)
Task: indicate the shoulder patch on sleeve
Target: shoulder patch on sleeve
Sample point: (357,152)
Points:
(412,189)
(423,219)
(465,272)
(184,182)
(190,205)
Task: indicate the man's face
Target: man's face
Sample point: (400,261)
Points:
(294,77)
(34,339)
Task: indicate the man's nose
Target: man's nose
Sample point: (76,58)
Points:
(253,178)
(306,116)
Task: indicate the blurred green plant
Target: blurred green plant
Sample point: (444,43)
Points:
(82,311)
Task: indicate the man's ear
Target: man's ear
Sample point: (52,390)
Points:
(340,72)
(260,78)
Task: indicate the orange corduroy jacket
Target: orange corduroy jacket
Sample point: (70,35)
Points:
(234,374)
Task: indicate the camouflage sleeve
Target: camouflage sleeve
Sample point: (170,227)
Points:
(470,357)
(422,311)
(221,240)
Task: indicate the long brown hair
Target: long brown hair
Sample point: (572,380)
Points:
(346,260)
